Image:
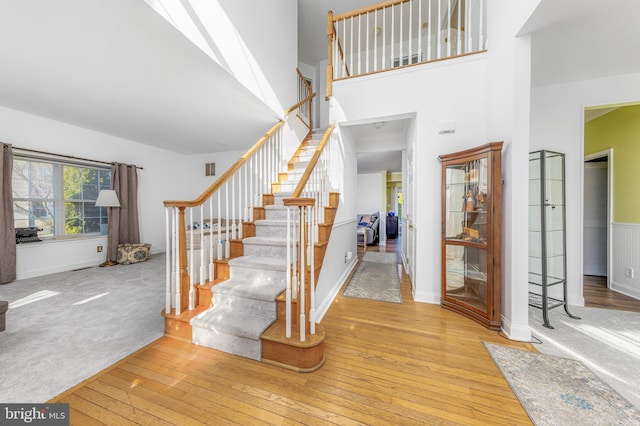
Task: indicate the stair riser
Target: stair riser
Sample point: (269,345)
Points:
(273,214)
(265,250)
(261,306)
(254,274)
(236,345)
(271,230)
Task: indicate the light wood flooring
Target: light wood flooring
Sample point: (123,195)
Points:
(387,364)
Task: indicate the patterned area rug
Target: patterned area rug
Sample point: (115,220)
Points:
(561,391)
(376,279)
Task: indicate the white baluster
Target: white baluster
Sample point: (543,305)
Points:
(312,286)
(439,34)
(393,34)
(375,42)
(344,53)
(302,322)
(419,30)
(410,56)
(233,207)
(459,44)
(384,38)
(191,263)
(429,32)
(400,37)
(481,45)
(288,278)
(367,44)
(448,28)
(211,234)
(467,27)
(176,261)
(167,266)
(202,247)
(227,250)
(240,208)
(294,261)
(351,42)
(220,246)
(359,44)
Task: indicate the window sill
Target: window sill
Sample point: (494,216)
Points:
(62,240)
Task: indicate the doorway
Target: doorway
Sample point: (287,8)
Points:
(597,215)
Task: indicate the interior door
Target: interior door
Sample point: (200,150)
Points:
(408,230)
(595,217)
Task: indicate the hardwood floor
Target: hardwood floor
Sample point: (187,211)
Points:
(597,295)
(391,364)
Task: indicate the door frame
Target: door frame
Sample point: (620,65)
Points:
(608,153)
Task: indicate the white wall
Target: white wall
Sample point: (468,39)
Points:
(443,92)
(486,96)
(272,39)
(369,192)
(557,123)
(161,179)
(337,266)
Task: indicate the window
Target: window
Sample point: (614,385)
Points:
(58,197)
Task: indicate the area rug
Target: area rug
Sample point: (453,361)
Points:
(376,278)
(606,341)
(561,391)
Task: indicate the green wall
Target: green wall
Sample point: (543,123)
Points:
(620,130)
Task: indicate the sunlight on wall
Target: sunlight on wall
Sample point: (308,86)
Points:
(207,25)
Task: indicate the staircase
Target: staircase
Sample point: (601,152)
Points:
(246,316)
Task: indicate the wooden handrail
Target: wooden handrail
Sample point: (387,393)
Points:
(219,182)
(293,108)
(372,8)
(312,164)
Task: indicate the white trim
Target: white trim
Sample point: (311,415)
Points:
(519,334)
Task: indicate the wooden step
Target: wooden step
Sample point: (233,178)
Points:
(178,326)
(302,357)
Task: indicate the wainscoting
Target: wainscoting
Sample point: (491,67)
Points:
(625,258)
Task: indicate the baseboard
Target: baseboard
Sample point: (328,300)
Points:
(515,332)
(324,305)
(56,269)
(426,297)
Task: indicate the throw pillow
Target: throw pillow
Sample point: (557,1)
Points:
(133,253)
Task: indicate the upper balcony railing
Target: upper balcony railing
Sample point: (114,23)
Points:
(400,33)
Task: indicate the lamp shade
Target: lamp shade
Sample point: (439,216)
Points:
(107,198)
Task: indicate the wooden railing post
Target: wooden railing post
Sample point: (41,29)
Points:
(329,54)
(184,274)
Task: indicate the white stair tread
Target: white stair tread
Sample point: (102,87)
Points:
(265,241)
(266,289)
(271,222)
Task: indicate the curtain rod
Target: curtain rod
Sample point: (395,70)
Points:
(67,156)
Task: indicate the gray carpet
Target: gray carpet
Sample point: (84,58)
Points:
(606,341)
(376,278)
(561,391)
(64,328)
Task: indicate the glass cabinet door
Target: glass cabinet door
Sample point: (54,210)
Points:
(465,232)
(471,224)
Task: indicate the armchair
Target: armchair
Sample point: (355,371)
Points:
(371,224)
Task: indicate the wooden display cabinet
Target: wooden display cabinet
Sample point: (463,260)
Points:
(471,222)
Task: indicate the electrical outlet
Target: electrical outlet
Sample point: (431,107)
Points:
(629,272)
(99,249)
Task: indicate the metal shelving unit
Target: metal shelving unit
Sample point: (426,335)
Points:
(547,241)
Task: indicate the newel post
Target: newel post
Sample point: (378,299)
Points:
(329,54)
(184,274)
